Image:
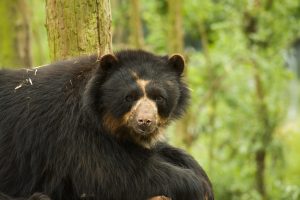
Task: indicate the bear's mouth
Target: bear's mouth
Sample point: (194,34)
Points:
(146,139)
(144,132)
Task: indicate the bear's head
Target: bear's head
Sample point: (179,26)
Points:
(137,94)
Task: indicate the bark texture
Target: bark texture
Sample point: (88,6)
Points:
(78,27)
(175,32)
(137,38)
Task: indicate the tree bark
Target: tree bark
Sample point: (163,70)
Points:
(80,27)
(176,27)
(266,134)
(260,157)
(137,38)
(15,34)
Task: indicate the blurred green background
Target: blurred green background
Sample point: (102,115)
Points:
(243,69)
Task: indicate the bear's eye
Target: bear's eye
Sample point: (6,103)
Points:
(159,99)
(130,98)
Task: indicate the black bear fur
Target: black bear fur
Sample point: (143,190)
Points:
(53,141)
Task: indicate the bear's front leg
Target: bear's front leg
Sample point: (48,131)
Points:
(177,183)
(180,158)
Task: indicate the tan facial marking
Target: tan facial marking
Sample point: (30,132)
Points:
(134,75)
(145,105)
(155,137)
(142,84)
(127,116)
(162,122)
(111,123)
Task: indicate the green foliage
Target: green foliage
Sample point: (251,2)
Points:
(238,129)
(156,27)
(12,37)
(39,40)
(7,34)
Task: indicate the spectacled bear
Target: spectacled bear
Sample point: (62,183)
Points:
(90,128)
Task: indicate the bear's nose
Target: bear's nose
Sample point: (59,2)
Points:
(145,116)
(144,122)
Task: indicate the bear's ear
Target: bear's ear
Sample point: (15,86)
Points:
(108,62)
(176,61)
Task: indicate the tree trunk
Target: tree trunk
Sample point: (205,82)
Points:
(266,133)
(260,157)
(15,34)
(176,29)
(79,27)
(137,38)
